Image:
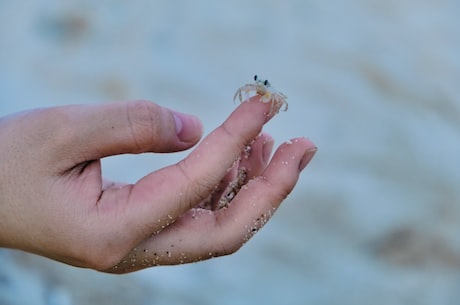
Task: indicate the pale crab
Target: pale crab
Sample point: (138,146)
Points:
(267,93)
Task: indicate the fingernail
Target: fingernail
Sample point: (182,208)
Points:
(267,148)
(188,127)
(307,158)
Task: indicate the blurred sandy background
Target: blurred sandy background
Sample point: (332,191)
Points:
(375,84)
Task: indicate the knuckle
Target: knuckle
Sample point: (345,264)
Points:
(238,139)
(198,188)
(145,123)
(48,125)
(276,191)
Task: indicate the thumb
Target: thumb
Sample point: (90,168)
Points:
(90,132)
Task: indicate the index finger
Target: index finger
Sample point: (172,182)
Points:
(162,196)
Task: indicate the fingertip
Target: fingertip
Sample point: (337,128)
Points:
(308,148)
(306,158)
(287,162)
(267,147)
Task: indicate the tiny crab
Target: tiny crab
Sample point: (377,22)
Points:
(266,91)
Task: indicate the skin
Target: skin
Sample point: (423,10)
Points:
(54,201)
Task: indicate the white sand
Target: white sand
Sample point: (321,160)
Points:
(375,219)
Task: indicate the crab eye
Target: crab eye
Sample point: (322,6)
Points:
(265,82)
(255,77)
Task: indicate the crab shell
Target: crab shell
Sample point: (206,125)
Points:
(267,93)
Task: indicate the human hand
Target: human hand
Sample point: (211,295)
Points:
(54,201)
